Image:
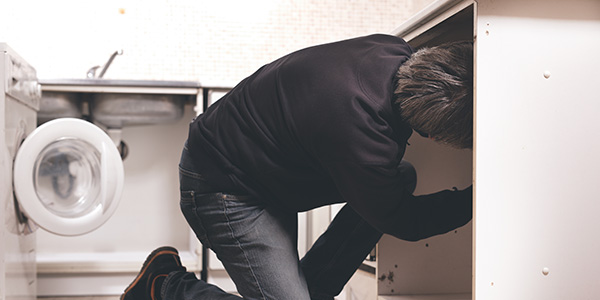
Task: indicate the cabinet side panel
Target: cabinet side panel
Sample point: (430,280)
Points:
(537,231)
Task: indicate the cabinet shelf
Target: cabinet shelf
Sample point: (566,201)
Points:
(426,297)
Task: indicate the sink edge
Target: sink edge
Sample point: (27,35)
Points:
(120,83)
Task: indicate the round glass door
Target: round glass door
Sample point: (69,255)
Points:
(68,176)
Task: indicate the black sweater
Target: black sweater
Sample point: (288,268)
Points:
(316,127)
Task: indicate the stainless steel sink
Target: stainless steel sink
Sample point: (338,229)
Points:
(117,103)
(116,110)
(59,105)
(119,83)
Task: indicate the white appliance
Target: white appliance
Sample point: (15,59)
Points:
(65,176)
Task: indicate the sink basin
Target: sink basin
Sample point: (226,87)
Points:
(117,103)
(59,105)
(116,110)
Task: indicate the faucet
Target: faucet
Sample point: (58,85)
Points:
(91,73)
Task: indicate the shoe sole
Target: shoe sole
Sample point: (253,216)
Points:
(149,259)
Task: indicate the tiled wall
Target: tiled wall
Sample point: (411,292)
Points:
(216,42)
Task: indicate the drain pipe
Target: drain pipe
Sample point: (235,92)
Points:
(115,136)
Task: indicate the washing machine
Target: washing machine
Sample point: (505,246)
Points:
(65,176)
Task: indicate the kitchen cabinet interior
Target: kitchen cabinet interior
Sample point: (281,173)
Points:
(535,232)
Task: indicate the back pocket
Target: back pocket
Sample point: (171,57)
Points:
(188,208)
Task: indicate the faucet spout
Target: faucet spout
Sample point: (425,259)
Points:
(91,73)
(110,60)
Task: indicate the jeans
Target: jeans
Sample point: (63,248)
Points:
(257,244)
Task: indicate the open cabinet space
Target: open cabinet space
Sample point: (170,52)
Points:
(535,232)
(438,267)
(104,261)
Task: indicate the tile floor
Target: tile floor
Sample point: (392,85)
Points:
(81,298)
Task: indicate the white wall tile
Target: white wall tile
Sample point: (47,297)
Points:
(214,42)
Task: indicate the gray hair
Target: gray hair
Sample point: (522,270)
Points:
(434,93)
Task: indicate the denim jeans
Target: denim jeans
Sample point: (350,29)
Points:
(257,244)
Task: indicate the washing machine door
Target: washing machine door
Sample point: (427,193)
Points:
(68,176)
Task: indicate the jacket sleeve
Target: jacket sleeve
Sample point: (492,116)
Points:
(376,193)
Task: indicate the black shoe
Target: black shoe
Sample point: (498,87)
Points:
(155,269)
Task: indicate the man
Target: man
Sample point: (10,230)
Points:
(326,124)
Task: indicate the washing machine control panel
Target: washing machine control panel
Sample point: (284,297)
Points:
(21,80)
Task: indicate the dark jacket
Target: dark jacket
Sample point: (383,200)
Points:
(317,127)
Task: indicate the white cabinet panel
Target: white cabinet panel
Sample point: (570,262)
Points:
(537,230)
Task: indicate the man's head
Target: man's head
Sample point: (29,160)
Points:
(434,93)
